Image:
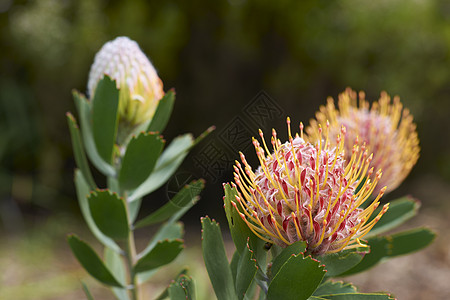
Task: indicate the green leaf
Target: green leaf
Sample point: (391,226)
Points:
(139,159)
(334,287)
(393,245)
(163,112)
(239,230)
(163,253)
(109,214)
(338,263)
(105,105)
(83,190)
(78,151)
(297,279)
(358,296)
(84,111)
(133,209)
(377,252)
(167,164)
(187,196)
(216,261)
(165,293)
(86,291)
(169,231)
(114,263)
(182,288)
(91,262)
(399,211)
(246,271)
(293,249)
(234,265)
(409,241)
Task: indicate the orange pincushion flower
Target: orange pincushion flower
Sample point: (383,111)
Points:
(308,192)
(386,128)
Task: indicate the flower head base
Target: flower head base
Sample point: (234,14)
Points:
(306,192)
(139,84)
(389,133)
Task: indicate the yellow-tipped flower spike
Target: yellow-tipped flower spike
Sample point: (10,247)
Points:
(307,192)
(386,128)
(139,84)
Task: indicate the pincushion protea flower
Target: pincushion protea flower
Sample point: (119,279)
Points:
(386,128)
(139,84)
(306,192)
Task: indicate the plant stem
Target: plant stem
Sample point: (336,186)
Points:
(131,259)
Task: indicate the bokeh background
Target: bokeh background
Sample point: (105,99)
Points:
(218,55)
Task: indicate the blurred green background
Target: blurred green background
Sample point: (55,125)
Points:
(218,55)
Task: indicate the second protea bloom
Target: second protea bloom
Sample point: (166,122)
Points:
(306,192)
(386,128)
(139,84)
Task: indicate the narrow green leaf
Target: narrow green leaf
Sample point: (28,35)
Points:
(377,252)
(133,209)
(182,288)
(163,112)
(86,291)
(293,249)
(105,105)
(338,263)
(409,241)
(109,214)
(234,265)
(239,230)
(84,111)
(216,261)
(334,287)
(91,262)
(78,151)
(399,211)
(393,245)
(163,253)
(188,195)
(139,159)
(297,279)
(165,293)
(246,271)
(83,190)
(358,296)
(167,164)
(169,231)
(114,263)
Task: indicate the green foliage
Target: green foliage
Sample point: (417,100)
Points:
(78,151)
(383,247)
(139,160)
(186,197)
(82,189)
(182,288)
(296,248)
(163,253)
(216,261)
(109,214)
(167,164)
(400,210)
(338,263)
(84,113)
(334,287)
(297,279)
(246,271)
(105,104)
(91,262)
(163,112)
